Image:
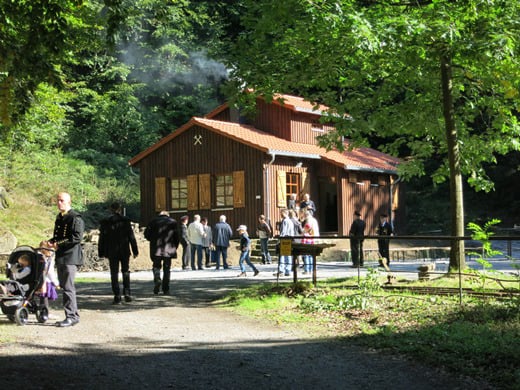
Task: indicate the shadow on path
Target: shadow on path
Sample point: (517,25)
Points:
(182,341)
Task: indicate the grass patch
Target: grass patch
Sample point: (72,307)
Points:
(472,279)
(478,339)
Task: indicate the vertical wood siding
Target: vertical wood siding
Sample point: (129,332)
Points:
(370,200)
(215,155)
(303,128)
(273,119)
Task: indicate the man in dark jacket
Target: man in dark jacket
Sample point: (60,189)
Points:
(222,233)
(164,240)
(66,241)
(357,233)
(116,236)
(384,229)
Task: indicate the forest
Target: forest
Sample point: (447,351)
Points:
(87,84)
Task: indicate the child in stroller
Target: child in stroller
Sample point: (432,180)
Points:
(18,294)
(20,272)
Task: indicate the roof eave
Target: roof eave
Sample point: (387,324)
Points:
(369,169)
(308,110)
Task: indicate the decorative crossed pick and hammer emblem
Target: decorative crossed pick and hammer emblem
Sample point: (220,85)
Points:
(197,139)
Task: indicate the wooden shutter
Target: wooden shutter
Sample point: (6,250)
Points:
(193,192)
(239,191)
(281,189)
(205,191)
(306,184)
(160,193)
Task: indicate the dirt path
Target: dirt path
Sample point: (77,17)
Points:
(184,342)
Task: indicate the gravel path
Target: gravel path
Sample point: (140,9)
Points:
(184,341)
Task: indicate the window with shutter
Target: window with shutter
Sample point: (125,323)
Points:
(292,186)
(306,184)
(179,194)
(224,190)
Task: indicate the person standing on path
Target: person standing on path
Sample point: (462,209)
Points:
(116,237)
(185,243)
(308,233)
(195,237)
(357,233)
(286,230)
(264,231)
(245,249)
(309,219)
(66,241)
(207,242)
(222,233)
(384,229)
(163,234)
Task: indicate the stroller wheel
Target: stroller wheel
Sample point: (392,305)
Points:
(42,315)
(21,315)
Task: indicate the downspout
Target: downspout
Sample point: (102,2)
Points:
(267,205)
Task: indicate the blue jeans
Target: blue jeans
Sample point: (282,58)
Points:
(285,264)
(264,248)
(244,256)
(307,263)
(196,248)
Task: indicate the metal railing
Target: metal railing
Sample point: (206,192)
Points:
(425,251)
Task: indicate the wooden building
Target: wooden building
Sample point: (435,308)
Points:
(222,164)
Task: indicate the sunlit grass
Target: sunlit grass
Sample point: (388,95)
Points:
(479,338)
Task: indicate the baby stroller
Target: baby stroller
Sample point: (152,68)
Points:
(19,302)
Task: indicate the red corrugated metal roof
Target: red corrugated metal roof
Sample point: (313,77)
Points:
(357,159)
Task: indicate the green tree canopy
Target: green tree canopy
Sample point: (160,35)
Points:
(434,79)
(36,39)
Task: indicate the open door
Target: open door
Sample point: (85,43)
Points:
(327,206)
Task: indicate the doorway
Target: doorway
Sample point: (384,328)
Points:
(328,205)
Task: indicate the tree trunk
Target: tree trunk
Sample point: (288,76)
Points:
(457,259)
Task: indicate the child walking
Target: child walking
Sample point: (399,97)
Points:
(245,249)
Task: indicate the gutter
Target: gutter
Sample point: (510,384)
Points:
(291,154)
(267,204)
